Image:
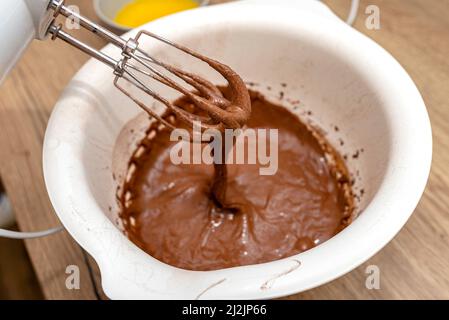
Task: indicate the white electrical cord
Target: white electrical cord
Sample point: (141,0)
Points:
(28,235)
(5,210)
(6,216)
(32,235)
(353,12)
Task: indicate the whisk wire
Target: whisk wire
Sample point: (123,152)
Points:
(135,61)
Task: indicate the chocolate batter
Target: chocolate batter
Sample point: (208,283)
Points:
(214,110)
(170,212)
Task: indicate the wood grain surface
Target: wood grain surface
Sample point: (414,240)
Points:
(414,265)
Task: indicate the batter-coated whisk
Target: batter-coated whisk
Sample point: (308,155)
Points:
(135,63)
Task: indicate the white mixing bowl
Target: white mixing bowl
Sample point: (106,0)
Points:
(343,77)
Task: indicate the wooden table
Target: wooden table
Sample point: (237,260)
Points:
(414,265)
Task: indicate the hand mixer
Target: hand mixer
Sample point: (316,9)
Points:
(133,65)
(36,19)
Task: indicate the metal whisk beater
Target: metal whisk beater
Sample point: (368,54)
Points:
(135,63)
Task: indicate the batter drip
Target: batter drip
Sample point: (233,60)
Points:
(215,111)
(171,214)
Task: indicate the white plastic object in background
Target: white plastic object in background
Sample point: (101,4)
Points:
(6,216)
(21,21)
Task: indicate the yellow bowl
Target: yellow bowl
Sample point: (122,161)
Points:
(107,10)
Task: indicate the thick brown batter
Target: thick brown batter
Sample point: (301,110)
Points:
(214,110)
(170,214)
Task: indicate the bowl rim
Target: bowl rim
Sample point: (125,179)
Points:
(116,284)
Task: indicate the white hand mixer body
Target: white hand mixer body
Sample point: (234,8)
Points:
(22,21)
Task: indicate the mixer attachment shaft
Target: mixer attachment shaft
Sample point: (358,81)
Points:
(135,65)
